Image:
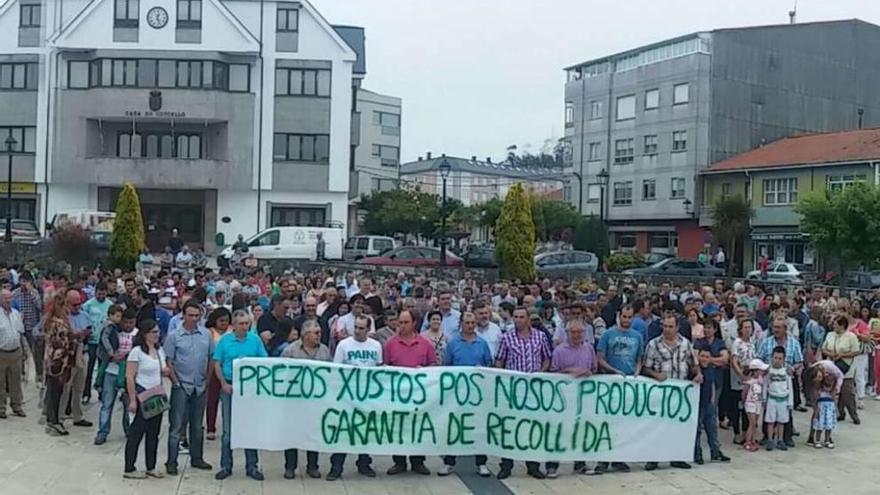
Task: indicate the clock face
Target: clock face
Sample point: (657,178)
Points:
(157,17)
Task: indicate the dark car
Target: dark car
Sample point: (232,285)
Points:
(676,267)
(863,280)
(412,256)
(481,257)
(100,241)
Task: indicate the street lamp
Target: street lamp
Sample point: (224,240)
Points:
(10,146)
(688,207)
(444,169)
(603,181)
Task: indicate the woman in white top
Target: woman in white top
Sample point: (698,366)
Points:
(144,372)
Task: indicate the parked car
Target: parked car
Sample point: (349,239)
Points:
(676,267)
(863,280)
(100,241)
(652,258)
(285,243)
(779,272)
(362,246)
(412,256)
(556,262)
(23,231)
(481,257)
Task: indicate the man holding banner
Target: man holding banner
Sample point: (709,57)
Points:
(526,350)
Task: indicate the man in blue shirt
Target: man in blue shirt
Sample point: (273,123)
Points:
(188,353)
(240,343)
(96,308)
(642,319)
(73,390)
(451,317)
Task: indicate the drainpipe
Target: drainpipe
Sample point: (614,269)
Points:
(260,125)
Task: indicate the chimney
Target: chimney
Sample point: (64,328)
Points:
(488,159)
(861,112)
(791,15)
(473,158)
(420,157)
(443,155)
(428,156)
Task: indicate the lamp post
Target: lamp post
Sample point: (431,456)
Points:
(688,207)
(603,181)
(10,146)
(444,169)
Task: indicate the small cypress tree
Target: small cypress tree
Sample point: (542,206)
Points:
(515,236)
(127,239)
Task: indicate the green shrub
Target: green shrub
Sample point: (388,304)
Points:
(515,236)
(127,240)
(618,262)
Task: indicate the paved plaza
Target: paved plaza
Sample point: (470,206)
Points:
(33,463)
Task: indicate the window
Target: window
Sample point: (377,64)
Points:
(159,145)
(153,73)
(569,114)
(22,75)
(313,148)
(302,82)
(389,156)
(595,152)
(78,74)
(652,99)
(651,144)
(626,241)
(287,20)
(680,94)
(29,16)
(594,193)
(626,107)
(664,242)
(677,188)
(390,122)
(239,78)
(623,151)
(25,139)
(125,13)
(189,14)
(649,190)
(566,192)
(679,141)
(841,182)
(623,192)
(271,238)
(726,187)
(303,217)
(780,192)
(595,110)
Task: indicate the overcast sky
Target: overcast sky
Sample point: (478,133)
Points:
(478,75)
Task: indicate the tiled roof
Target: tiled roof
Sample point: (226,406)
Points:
(809,149)
(474,166)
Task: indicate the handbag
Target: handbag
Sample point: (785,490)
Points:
(153,402)
(841,365)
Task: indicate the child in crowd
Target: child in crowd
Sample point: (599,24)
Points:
(753,400)
(825,412)
(779,400)
(708,407)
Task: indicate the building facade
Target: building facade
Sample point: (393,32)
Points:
(228,116)
(654,117)
(775,176)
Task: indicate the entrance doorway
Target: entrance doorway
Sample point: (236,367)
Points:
(159,219)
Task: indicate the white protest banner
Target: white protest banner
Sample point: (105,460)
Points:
(286,403)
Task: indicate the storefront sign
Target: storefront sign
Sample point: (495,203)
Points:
(286,403)
(19,188)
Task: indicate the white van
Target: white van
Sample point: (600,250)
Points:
(282,243)
(362,246)
(98,221)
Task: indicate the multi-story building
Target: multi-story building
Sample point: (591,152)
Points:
(775,176)
(376,160)
(642,124)
(227,115)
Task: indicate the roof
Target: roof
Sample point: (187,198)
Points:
(482,168)
(355,38)
(808,149)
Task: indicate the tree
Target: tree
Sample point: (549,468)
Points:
(731,217)
(515,236)
(559,217)
(537,207)
(590,235)
(400,211)
(127,239)
(71,243)
(844,225)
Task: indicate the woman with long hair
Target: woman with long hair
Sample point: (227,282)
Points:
(61,346)
(218,324)
(143,377)
(435,334)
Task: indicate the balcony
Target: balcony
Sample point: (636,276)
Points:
(169,173)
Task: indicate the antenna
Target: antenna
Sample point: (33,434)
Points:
(792,14)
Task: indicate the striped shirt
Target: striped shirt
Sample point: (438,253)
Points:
(526,355)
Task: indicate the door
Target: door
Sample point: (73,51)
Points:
(266,245)
(159,219)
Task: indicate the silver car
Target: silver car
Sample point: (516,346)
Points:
(779,272)
(567,261)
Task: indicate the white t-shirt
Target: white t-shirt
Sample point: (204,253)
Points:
(346,322)
(149,371)
(492,335)
(125,339)
(351,351)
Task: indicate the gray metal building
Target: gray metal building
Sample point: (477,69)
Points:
(654,117)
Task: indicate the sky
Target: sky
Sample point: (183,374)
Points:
(479,75)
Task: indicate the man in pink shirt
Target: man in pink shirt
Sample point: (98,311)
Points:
(408,349)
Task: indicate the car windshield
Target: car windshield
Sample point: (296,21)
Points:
(662,263)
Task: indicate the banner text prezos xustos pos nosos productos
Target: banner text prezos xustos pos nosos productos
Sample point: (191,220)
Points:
(282,403)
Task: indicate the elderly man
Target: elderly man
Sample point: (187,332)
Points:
(486,328)
(467,349)
(73,390)
(26,298)
(526,350)
(239,343)
(794,360)
(575,357)
(671,356)
(309,347)
(357,350)
(451,317)
(188,354)
(310,313)
(11,333)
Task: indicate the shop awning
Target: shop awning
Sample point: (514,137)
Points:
(785,233)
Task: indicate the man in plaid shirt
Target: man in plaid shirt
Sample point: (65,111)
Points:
(527,350)
(27,300)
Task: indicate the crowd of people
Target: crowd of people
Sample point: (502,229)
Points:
(758,354)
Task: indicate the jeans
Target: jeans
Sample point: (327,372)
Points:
(414,460)
(52,401)
(708,422)
(508,464)
(38,350)
(251,457)
(291,459)
(108,402)
(479,460)
(140,428)
(337,462)
(186,408)
(92,351)
(72,392)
